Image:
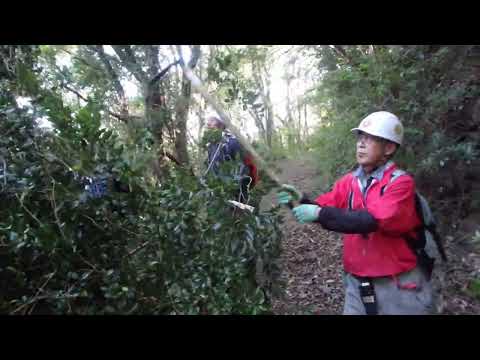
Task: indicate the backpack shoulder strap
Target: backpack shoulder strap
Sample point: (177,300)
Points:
(395,175)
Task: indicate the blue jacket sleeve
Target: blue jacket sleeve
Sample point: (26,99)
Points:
(233,148)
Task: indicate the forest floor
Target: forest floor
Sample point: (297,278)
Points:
(311,260)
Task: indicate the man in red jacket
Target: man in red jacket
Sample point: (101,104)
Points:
(381,272)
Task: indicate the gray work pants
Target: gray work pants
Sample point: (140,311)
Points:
(392,300)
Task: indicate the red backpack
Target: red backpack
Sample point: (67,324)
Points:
(253,172)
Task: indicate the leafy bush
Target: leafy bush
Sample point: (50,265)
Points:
(152,248)
(423,86)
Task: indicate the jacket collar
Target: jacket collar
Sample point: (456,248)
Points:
(377,174)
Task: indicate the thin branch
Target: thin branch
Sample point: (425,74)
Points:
(28,211)
(283,122)
(121,228)
(89,264)
(40,290)
(94,222)
(36,297)
(137,249)
(341,51)
(55,211)
(170,156)
(69,168)
(44,297)
(118,116)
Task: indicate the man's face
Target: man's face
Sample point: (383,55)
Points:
(212,123)
(372,151)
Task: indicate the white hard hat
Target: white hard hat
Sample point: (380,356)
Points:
(382,124)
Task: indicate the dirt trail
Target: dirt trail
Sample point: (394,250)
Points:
(311,257)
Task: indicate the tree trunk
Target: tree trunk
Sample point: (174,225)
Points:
(181,112)
(269,127)
(270,114)
(155,110)
(128,60)
(203,107)
(259,124)
(265,94)
(305,129)
(290,124)
(299,129)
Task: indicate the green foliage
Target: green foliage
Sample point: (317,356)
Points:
(420,84)
(231,72)
(175,247)
(210,136)
(335,152)
(476,238)
(474,288)
(275,153)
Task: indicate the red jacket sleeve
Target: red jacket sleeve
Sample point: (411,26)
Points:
(338,196)
(395,211)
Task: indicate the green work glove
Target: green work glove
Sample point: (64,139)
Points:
(306,213)
(290,193)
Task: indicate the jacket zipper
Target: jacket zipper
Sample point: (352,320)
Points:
(364,203)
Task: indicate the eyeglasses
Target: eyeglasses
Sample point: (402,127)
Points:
(367,138)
